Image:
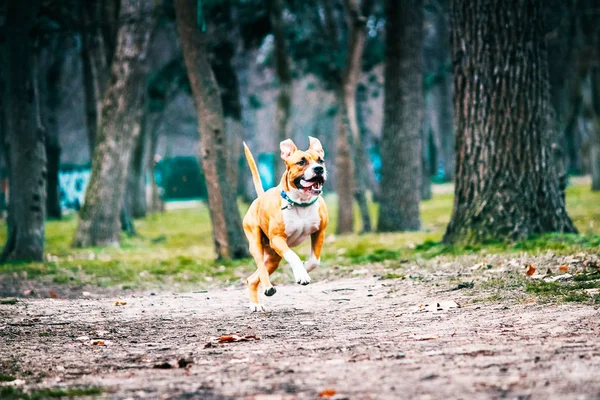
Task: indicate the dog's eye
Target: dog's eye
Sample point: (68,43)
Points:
(301,162)
(320,161)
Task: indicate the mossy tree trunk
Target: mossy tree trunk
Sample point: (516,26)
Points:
(506,186)
(120,126)
(401,142)
(25,140)
(228,235)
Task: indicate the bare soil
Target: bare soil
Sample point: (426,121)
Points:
(362,338)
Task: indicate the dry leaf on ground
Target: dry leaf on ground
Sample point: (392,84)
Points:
(530,270)
(564,268)
(236,338)
(327,393)
(120,303)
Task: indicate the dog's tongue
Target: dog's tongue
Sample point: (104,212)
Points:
(307,184)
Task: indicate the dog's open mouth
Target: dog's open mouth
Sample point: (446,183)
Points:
(313,186)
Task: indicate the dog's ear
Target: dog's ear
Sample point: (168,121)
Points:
(315,145)
(287,148)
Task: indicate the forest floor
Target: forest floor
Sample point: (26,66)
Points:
(387,316)
(448,328)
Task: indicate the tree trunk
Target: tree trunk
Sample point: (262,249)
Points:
(26,154)
(428,160)
(442,93)
(284,77)
(52,100)
(153,135)
(356,23)
(401,150)
(595,145)
(506,187)
(344,165)
(227,225)
(120,126)
(135,195)
(98,34)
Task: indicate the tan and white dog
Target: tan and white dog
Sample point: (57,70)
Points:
(285,216)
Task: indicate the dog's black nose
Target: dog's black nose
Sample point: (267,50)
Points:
(319,170)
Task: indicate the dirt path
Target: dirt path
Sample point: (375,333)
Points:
(363,338)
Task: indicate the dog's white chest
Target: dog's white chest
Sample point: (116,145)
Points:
(300,222)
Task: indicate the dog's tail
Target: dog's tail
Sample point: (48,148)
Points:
(255,176)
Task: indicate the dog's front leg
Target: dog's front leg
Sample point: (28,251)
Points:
(279,244)
(316,244)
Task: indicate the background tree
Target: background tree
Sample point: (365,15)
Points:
(24,140)
(402,125)
(589,12)
(438,84)
(506,187)
(350,179)
(284,79)
(226,222)
(99,24)
(120,126)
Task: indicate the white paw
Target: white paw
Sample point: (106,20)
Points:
(301,276)
(311,264)
(255,307)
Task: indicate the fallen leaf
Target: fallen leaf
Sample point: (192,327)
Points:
(327,393)
(183,363)
(426,337)
(52,294)
(564,268)
(163,365)
(236,338)
(442,305)
(120,303)
(563,277)
(97,342)
(530,270)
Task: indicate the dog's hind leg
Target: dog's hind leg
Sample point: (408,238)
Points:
(254,235)
(252,283)
(271,260)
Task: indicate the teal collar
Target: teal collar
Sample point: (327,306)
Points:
(292,203)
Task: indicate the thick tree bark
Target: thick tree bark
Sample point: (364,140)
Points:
(26,153)
(284,77)
(506,187)
(401,141)
(120,126)
(227,225)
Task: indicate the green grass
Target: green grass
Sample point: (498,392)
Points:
(11,393)
(572,291)
(177,246)
(6,378)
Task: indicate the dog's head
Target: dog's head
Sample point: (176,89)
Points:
(305,170)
